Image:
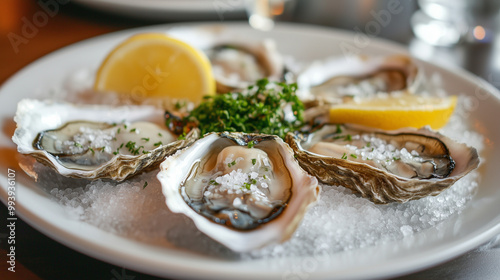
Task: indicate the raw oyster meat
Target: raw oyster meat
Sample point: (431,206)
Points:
(383,166)
(242,190)
(94,141)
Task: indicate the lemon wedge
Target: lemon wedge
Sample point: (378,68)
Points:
(156,65)
(395,112)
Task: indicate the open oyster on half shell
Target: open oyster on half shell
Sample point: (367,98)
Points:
(242,190)
(237,66)
(337,79)
(383,166)
(236,61)
(94,141)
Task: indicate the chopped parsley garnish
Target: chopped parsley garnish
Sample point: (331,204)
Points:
(261,110)
(348,137)
(133,130)
(339,129)
(344,156)
(145,139)
(213,182)
(145,185)
(395,158)
(254,161)
(131,146)
(78,145)
(157,144)
(247,185)
(354,156)
(118,131)
(92,150)
(180,104)
(250,144)
(159,134)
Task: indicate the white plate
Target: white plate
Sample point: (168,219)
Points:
(171,9)
(478,223)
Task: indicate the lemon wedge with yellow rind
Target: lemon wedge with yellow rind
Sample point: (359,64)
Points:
(156,65)
(395,112)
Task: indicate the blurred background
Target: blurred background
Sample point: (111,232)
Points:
(461,33)
(458,33)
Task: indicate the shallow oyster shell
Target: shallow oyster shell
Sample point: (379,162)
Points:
(35,116)
(176,169)
(253,62)
(376,184)
(334,79)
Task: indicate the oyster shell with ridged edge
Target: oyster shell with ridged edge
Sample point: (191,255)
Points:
(41,123)
(418,163)
(242,195)
(338,79)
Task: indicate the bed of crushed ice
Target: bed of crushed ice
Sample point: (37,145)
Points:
(340,220)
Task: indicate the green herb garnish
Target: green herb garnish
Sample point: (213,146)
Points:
(78,145)
(250,144)
(344,156)
(145,185)
(260,110)
(157,144)
(339,129)
(354,156)
(145,139)
(254,161)
(133,130)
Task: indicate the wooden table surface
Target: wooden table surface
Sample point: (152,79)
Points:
(30,29)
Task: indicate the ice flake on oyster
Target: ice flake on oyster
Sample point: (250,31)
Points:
(94,141)
(240,195)
(383,166)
